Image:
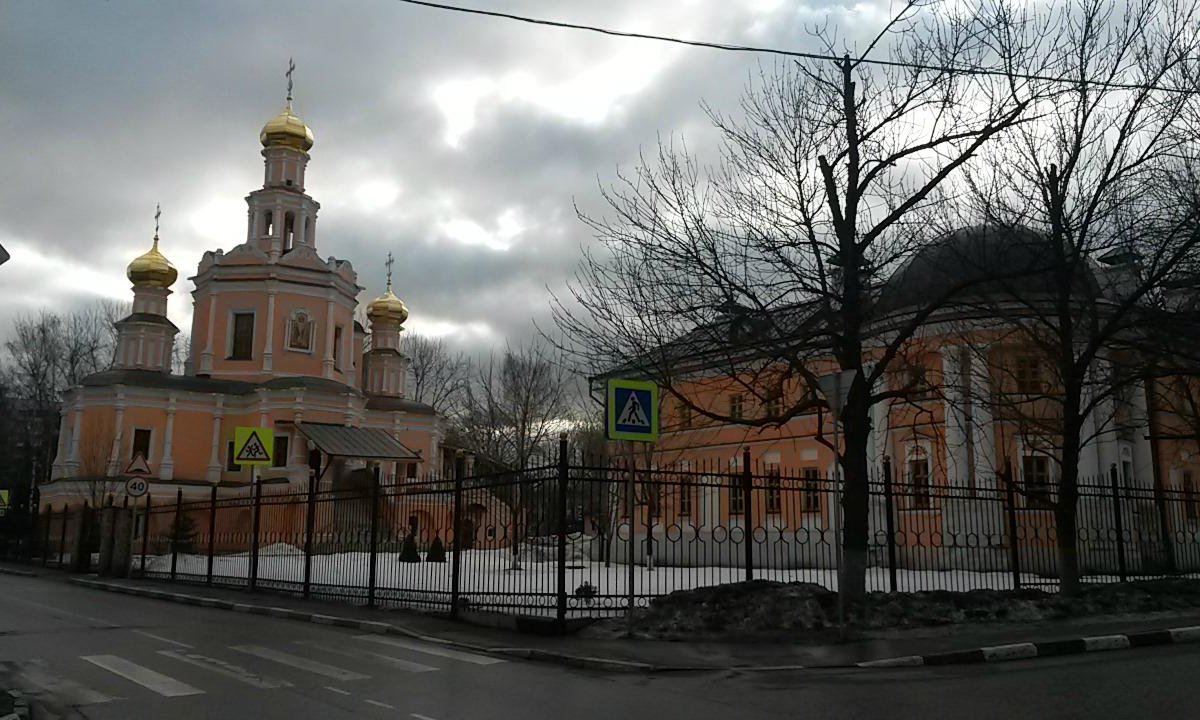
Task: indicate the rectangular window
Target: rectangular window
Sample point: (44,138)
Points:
(141,443)
(1036,469)
(735,406)
(774,490)
(337,348)
(279,456)
(243,337)
(916,382)
(1027,371)
(685,496)
(737,498)
(1190,510)
(810,493)
(918,480)
(230,465)
(772,407)
(684,413)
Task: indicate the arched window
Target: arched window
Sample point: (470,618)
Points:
(300,331)
(289,231)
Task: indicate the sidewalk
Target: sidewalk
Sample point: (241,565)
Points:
(944,645)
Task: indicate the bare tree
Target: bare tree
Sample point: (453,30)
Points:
(1086,193)
(438,374)
(765,268)
(515,404)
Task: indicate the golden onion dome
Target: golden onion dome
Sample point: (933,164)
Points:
(286,130)
(387,307)
(152,269)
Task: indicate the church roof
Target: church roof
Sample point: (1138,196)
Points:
(190,383)
(356,442)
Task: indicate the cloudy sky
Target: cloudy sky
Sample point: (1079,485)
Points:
(459,143)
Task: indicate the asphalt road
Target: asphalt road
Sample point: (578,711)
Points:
(88,654)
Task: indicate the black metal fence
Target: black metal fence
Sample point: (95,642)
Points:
(572,538)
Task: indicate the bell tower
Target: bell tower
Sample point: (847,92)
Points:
(281,215)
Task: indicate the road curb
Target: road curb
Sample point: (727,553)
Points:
(1046,648)
(13,571)
(376,626)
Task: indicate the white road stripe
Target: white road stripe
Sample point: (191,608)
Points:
(407,665)
(380,704)
(229,670)
(160,638)
(419,716)
(336,690)
(300,663)
(147,678)
(430,649)
(68,690)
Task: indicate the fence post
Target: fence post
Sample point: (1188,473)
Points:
(175,531)
(49,515)
(62,534)
(256,488)
(889,508)
(314,467)
(455,562)
(1118,523)
(563,472)
(374,537)
(212,534)
(748,512)
(145,537)
(1014,552)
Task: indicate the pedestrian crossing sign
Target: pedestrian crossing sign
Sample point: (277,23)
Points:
(3,501)
(632,410)
(253,445)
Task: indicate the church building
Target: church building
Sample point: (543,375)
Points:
(274,343)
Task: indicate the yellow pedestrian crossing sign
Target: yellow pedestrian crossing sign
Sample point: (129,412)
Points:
(253,445)
(3,501)
(632,410)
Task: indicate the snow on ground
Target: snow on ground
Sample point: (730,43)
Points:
(487,579)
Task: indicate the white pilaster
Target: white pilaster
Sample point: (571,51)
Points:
(983,429)
(214,459)
(166,468)
(955,418)
(270,334)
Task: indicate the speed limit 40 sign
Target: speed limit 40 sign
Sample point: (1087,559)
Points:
(136,487)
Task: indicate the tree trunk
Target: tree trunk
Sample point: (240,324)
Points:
(856,432)
(1066,509)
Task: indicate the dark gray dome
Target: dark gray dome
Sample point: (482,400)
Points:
(984,262)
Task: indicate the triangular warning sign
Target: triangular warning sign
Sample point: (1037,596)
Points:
(138,465)
(632,413)
(252,450)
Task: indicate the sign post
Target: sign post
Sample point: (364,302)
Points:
(631,413)
(254,446)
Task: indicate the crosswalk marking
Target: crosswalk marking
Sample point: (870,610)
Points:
(386,659)
(339,691)
(380,704)
(430,649)
(300,663)
(160,638)
(60,687)
(229,670)
(147,678)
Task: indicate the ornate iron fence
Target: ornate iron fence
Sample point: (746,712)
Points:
(573,538)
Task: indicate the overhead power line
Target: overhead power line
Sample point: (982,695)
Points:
(964,70)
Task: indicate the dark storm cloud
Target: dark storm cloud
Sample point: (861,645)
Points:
(109,107)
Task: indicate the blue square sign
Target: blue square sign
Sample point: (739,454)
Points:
(632,410)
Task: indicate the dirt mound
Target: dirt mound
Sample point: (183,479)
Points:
(767,610)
